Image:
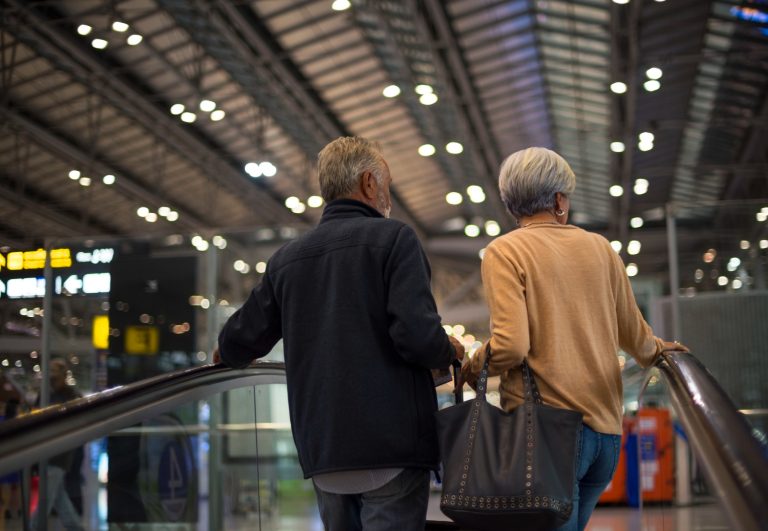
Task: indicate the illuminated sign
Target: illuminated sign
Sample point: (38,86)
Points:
(97,256)
(24,260)
(100,334)
(34,287)
(142,339)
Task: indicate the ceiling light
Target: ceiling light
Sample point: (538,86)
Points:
(391,91)
(736,284)
(454,198)
(239,265)
(454,148)
(633,247)
(84,29)
(188,117)
(616,190)
(164,211)
(698,275)
(618,87)
(428,99)
(426,150)
(119,26)
(645,146)
(219,241)
(641,186)
(654,73)
(616,246)
(85,181)
(253,169)
(733,264)
(142,212)
(340,5)
(652,85)
(134,39)
(617,147)
(476,193)
(217,115)
(761,216)
(261,267)
(492,228)
(172,216)
(423,89)
(315,201)
(151,217)
(764,244)
(645,136)
(471,230)
(74,174)
(99,44)
(207,105)
(108,179)
(203,246)
(291,202)
(632,270)
(268,169)
(722,280)
(621,2)
(744,244)
(636,222)
(299,208)
(177,109)
(481,253)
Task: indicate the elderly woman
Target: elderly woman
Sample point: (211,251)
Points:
(559,296)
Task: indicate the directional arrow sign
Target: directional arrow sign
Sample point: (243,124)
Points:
(73,284)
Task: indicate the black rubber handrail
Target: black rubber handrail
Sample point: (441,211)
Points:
(733,460)
(55,429)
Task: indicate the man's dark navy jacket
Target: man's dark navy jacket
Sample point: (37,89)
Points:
(352,301)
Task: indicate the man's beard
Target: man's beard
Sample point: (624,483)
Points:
(382,206)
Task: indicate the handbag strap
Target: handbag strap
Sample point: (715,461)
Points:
(530,389)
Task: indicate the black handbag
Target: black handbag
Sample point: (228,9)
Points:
(508,471)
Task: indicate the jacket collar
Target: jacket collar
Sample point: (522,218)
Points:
(348,208)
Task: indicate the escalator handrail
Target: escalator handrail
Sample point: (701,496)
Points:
(49,431)
(721,438)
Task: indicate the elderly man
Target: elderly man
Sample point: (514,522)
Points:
(352,301)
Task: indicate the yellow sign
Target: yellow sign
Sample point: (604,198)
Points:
(101,332)
(142,339)
(21,260)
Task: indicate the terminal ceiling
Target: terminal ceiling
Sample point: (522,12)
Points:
(290,75)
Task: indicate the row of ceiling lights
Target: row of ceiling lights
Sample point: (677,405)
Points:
(640,188)
(474,192)
(117,26)
(427,94)
(297,206)
(427,150)
(76,175)
(241,266)
(151,217)
(206,105)
(261,169)
(491,227)
(644,143)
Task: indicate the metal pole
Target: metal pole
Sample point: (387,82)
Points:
(45,383)
(215,513)
(674,272)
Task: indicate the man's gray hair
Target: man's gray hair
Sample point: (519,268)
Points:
(530,178)
(341,163)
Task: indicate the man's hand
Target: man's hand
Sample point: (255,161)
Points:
(458,347)
(676,346)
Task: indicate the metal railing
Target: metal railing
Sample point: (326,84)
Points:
(733,460)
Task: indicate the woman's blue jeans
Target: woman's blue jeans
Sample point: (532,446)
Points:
(598,457)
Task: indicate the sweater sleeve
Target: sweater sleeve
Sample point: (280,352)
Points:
(414,324)
(635,335)
(253,330)
(510,341)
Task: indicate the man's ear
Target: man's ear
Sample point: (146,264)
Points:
(368,185)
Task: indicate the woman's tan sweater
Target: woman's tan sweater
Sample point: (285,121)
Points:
(560,296)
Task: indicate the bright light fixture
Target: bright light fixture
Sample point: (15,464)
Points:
(616,190)
(292,202)
(621,2)
(616,246)
(426,150)
(119,26)
(219,241)
(454,198)
(633,247)
(492,228)
(632,270)
(722,280)
(238,265)
(85,181)
(618,87)
(641,186)
(617,147)
(471,230)
(74,174)
(261,267)
(108,179)
(391,91)
(340,5)
(636,222)
(646,136)
(142,212)
(172,216)
(428,99)
(761,216)
(164,211)
(764,244)
(654,73)
(253,169)
(299,208)
(476,193)
(134,39)
(217,115)
(645,146)
(177,109)
(736,284)
(207,105)
(744,244)
(423,89)
(84,29)
(454,148)
(315,201)
(99,44)
(268,169)
(188,117)
(151,217)
(652,85)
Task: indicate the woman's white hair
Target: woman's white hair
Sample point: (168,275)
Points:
(341,163)
(530,178)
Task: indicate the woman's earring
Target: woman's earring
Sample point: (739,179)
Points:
(560,212)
